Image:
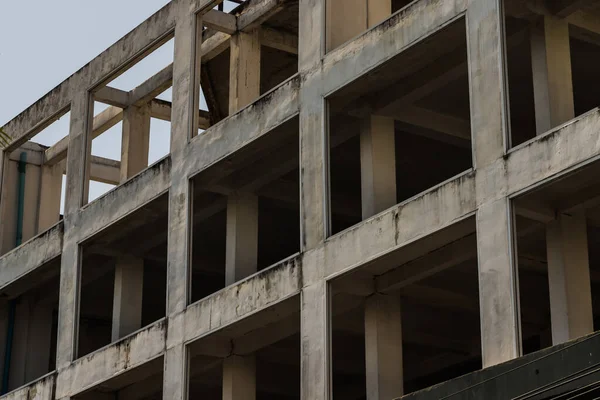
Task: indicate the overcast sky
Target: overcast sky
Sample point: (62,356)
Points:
(43,42)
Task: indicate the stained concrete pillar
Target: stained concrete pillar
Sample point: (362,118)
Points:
(242,237)
(78,159)
(135,141)
(552,74)
(569,277)
(129,271)
(244,70)
(186,78)
(127,300)
(378,165)
(239,378)
(383,347)
(50,193)
(498,289)
(314,342)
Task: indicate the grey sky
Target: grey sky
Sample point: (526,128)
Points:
(43,42)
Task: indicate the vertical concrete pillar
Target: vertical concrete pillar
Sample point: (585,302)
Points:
(239,378)
(383,347)
(50,192)
(378,165)
(127,300)
(244,70)
(186,87)
(129,271)
(135,141)
(242,237)
(569,277)
(314,342)
(498,289)
(76,195)
(552,75)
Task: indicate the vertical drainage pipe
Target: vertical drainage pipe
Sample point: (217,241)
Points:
(12,305)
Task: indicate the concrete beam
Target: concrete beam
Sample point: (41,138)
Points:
(112,96)
(125,199)
(112,361)
(278,39)
(220,21)
(162,110)
(101,123)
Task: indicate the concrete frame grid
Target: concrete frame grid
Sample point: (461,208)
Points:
(500,174)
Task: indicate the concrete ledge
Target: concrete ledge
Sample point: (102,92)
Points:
(115,359)
(555,153)
(41,389)
(386,40)
(423,215)
(263,115)
(31,255)
(243,299)
(124,199)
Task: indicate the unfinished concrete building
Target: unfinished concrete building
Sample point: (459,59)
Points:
(380,196)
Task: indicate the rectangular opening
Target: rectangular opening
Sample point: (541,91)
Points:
(131,122)
(558,231)
(407,320)
(33,182)
(236,69)
(123,279)
(260,354)
(28,326)
(400,129)
(246,213)
(552,64)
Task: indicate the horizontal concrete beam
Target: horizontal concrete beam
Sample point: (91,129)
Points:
(269,111)
(554,154)
(124,199)
(403,29)
(41,389)
(112,96)
(111,361)
(32,254)
(421,216)
(220,21)
(276,284)
(102,122)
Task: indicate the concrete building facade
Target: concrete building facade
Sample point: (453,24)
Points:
(381,196)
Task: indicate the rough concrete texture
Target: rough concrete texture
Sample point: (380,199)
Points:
(472,210)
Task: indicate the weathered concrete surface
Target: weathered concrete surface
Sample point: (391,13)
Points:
(112,360)
(31,255)
(41,389)
(247,297)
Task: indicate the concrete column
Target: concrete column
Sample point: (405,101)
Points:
(135,141)
(552,75)
(498,284)
(239,378)
(186,78)
(314,342)
(383,347)
(242,237)
(569,277)
(378,165)
(127,300)
(129,271)
(76,194)
(349,18)
(50,192)
(244,70)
